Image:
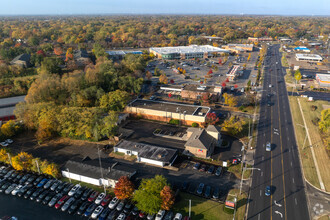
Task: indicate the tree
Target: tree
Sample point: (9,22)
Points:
(230,100)
(324,123)
(297,75)
(124,188)
(233,125)
(168,198)
(163,79)
(9,128)
(22,161)
(51,65)
(4,155)
(69,54)
(58,51)
(52,170)
(211,118)
(148,75)
(147,197)
(99,51)
(115,101)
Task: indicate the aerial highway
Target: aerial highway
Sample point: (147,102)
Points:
(279,168)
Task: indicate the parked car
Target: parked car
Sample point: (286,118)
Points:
(49,184)
(30,180)
(16,190)
(105,213)
(113,203)
(184,186)
(211,169)
(75,205)
(112,215)
(61,201)
(207,191)
(67,204)
(17,178)
(106,200)
(169,216)
(83,207)
(216,193)
(160,215)
(54,200)
(202,168)
(196,166)
(36,193)
(120,206)
(122,216)
(93,196)
(23,190)
(200,189)
(12,176)
(42,196)
(150,216)
(29,192)
(10,188)
(48,197)
(67,188)
(9,173)
(37,181)
(99,198)
(218,171)
(127,207)
(178,216)
(60,187)
(42,183)
(135,211)
(90,209)
(86,194)
(24,178)
(55,184)
(74,190)
(79,192)
(97,212)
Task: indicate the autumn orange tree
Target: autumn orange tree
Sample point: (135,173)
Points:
(22,161)
(124,188)
(163,79)
(168,198)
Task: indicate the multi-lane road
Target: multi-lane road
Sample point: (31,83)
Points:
(280,168)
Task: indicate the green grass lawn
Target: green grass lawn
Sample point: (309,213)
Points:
(207,209)
(236,169)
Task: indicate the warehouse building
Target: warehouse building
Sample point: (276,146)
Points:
(120,54)
(146,153)
(165,111)
(186,52)
(302,49)
(309,57)
(323,79)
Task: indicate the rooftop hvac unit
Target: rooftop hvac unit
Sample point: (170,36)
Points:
(200,113)
(201,88)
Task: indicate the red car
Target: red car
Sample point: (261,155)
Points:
(61,201)
(186,218)
(106,200)
(142,215)
(93,196)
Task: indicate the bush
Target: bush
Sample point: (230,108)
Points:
(174,122)
(313,107)
(195,125)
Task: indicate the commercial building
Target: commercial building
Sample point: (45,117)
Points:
(192,91)
(7,107)
(146,153)
(238,48)
(89,171)
(120,54)
(309,57)
(165,111)
(234,72)
(186,52)
(302,49)
(201,142)
(260,39)
(323,79)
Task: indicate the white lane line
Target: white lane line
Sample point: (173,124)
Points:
(262,173)
(263,157)
(291,164)
(293,180)
(258,216)
(286,129)
(288,139)
(260,192)
(264,134)
(295,200)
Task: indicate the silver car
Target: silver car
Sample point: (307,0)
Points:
(11,188)
(67,204)
(268,146)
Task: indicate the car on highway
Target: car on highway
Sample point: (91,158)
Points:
(200,188)
(61,201)
(99,198)
(267,191)
(113,203)
(83,207)
(268,146)
(67,204)
(74,190)
(54,200)
(97,212)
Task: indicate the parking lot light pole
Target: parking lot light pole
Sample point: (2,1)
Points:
(244,169)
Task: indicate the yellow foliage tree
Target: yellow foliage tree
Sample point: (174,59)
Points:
(52,170)
(22,161)
(8,129)
(163,79)
(4,155)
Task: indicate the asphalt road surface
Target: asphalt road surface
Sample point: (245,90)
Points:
(279,168)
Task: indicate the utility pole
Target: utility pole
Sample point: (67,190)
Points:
(244,169)
(98,151)
(189,207)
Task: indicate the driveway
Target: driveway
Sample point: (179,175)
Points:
(229,153)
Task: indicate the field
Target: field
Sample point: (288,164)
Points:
(207,209)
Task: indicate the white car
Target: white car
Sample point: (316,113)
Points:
(4,144)
(270,85)
(160,215)
(97,212)
(178,216)
(9,141)
(268,146)
(74,190)
(99,199)
(113,203)
(122,216)
(16,190)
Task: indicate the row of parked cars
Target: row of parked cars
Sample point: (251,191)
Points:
(202,190)
(71,198)
(211,169)
(6,142)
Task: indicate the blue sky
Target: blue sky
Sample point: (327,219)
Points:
(278,7)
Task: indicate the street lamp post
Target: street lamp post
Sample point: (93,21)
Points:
(235,200)
(244,169)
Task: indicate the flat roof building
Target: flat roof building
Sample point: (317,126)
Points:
(120,54)
(233,73)
(237,48)
(165,111)
(303,49)
(308,57)
(7,107)
(186,52)
(323,79)
(146,153)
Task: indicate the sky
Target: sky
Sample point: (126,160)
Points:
(261,7)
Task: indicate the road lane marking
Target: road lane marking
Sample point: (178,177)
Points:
(293,180)
(262,173)
(291,164)
(295,200)
(259,216)
(263,157)
(260,192)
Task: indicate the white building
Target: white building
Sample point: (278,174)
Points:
(146,153)
(323,79)
(308,57)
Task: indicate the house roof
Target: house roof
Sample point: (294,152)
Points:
(91,168)
(200,139)
(148,151)
(23,57)
(213,128)
(81,54)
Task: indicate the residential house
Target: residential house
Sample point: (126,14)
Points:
(22,60)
